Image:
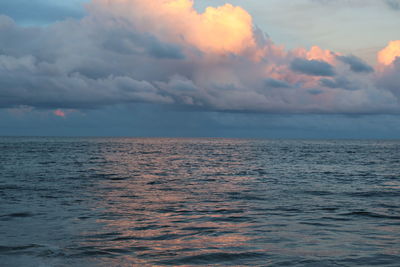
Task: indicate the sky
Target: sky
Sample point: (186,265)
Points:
(209,68)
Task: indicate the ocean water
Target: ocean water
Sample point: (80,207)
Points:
(198,202)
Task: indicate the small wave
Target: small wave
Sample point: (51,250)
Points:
(318,193)
(156,182)
(229,211)
(149,238)
(232,219)
(371,215)
(6,249)
(289,209)
(10,216)
(150,152)
(329,208)
(90,251)
(320,224)
(124,238)
(200,229)
(103,235)
(246,197)
(335,218)
(119,178)
(373,260)
(129,196)
(10,187)
(375,194)
(208,211)
(213,258)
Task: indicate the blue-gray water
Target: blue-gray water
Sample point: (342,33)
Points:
(124,202)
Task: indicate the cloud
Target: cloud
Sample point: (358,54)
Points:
(390,78)
(389,54)
(277,83)
(226,28)
(312,67)
(59,113)
(339,82)
(356,64)
(167,53)
(393,4)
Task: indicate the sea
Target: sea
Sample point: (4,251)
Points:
(198,202)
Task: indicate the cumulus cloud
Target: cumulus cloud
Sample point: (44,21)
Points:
(277,83)
(389,54)
(339,82)
(226,28)
(312,67)
(393,4)
(390,78)
(166,52)
(356,64)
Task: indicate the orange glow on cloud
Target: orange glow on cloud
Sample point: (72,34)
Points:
(59,113)
(224,29)
(317,53)
(389,54)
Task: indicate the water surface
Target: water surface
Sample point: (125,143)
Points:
(216,202)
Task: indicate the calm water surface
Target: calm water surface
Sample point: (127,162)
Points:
(215,202)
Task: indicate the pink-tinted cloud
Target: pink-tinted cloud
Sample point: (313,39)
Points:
(59,113)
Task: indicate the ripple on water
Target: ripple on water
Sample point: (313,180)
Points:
(216,258)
